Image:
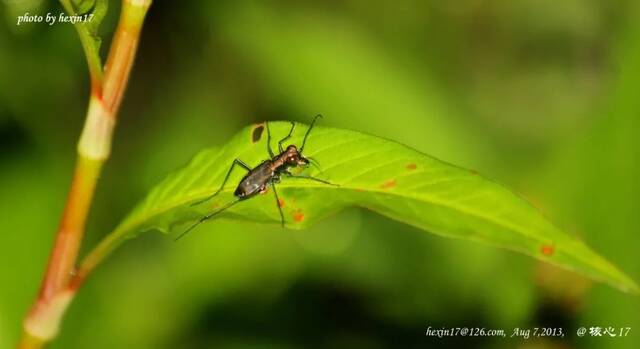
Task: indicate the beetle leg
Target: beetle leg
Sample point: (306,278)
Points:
(237,162)
(271,155)
(293,126)
(278,203)
(206,217)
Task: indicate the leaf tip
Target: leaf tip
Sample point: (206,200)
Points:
(630,287)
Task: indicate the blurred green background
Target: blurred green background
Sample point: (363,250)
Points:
(541,95)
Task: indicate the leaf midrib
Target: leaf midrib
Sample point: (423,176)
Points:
(420,198)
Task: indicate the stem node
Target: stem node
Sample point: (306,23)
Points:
(43,321)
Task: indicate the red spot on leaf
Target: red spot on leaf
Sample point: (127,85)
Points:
(298,216)
(473,172)
(281,202)
(547,250)
(411,166)
(388,184)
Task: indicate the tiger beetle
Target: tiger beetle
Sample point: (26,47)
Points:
(258,179)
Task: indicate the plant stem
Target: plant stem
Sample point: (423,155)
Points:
(30,342)
(56,292)
(64,254)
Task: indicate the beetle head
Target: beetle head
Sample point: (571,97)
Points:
(294,157)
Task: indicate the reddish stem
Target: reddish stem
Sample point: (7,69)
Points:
(58,288)
(70,232)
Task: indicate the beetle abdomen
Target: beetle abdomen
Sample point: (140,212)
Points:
(255,181)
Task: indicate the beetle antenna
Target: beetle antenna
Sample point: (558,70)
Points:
(315,163)
(206,217)
(304,140)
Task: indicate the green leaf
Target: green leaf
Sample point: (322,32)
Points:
(83,6)
(99,11)
(378,174)
(97,8)
(88,30)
